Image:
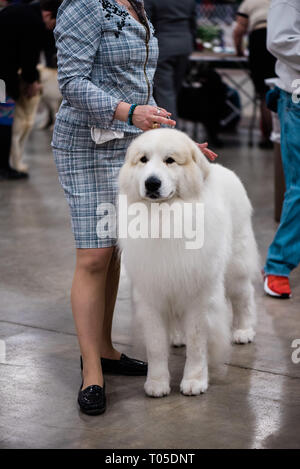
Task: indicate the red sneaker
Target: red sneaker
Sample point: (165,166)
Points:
(277,286)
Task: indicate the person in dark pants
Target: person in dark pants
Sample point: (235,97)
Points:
(175,28)
(252,19)
(23,31)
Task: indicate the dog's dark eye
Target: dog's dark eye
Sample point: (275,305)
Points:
(144,159)
(170,160)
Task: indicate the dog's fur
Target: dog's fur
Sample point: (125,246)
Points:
(193,288)
(26,111)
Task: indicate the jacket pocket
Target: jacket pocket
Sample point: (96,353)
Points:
(67,136)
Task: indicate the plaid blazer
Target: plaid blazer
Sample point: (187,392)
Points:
(105,56)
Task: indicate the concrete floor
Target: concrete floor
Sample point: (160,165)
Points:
(256,406)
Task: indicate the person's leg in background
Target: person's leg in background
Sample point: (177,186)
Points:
(262,66)
(266,123)
(168,81)
(5,142)
(180,72)
(164,91)
(6,121)
(284,252)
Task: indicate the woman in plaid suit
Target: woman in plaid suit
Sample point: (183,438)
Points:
(107,57)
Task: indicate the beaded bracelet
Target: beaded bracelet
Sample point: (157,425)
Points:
(130,114)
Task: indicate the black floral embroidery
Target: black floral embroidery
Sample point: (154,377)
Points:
(111,10)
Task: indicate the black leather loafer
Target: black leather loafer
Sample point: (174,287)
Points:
(125,366)
(92,400)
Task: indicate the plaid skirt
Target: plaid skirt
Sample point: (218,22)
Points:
(89,174)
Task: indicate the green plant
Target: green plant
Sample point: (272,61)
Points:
(207,33)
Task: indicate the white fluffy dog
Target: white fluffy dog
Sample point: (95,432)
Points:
(191,287)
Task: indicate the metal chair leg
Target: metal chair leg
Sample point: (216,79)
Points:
(252,122)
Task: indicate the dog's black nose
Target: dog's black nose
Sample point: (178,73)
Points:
(152,184)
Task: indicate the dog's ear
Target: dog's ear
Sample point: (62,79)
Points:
(200,160)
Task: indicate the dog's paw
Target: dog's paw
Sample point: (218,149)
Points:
(193,387)
(177,339)
(157,388)
(243,336)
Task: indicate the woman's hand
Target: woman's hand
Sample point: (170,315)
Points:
(145,117)
(207,152)
(151,117)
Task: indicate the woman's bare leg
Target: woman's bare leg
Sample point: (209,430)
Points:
(112,285)
(88,305)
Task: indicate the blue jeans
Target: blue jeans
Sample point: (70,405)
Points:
(284,252)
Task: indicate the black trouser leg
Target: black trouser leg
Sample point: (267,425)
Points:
(5,144)
(168,81)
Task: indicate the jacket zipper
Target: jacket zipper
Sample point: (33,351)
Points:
(146,61)
(147,39)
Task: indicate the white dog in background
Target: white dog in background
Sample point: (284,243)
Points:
(195,286)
